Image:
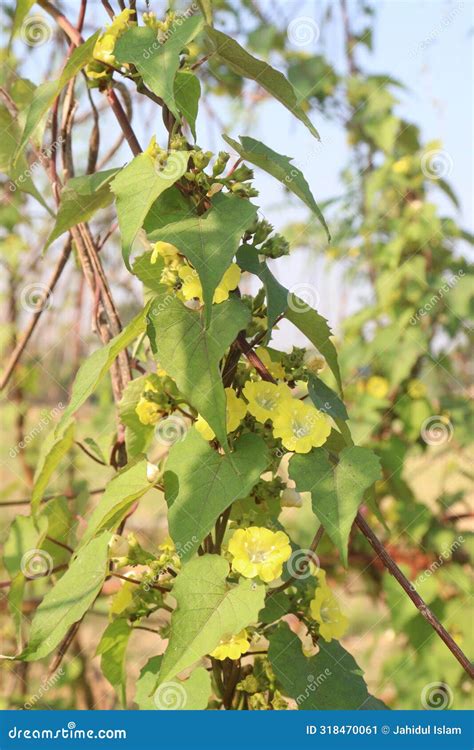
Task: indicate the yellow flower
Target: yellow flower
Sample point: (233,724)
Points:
(416,389)
(192,288)
(236,409)
(274,368)
(167,251)
(265,399)
(301,426)
(257,551)
(402,166)
(314,361)
(161,372)
(377,386)
(104,46)
(148,412)
(228,282)
(325,610)
(232,647)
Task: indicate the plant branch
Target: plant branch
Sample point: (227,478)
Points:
(417,600)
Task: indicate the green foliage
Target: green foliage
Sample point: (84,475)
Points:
(251,427)
(138,186)
(210,241)
(336,493)
(81,198)
(329,680)
(241,62)
(200,484)
(69,600)
(207,610)
(158,63)
(279,167)
(191,353)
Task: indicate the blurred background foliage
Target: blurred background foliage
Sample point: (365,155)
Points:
(403,346)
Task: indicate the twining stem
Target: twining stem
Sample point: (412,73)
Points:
(410,590)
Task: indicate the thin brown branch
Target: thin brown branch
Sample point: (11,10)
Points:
(122,120)
(23,341)
(47,498)
(417,600)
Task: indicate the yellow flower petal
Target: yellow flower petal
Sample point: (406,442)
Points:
(300,426)
(257,551)
(266,399)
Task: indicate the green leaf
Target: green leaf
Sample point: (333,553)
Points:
(279,167)
(97,365)
(179,695)
(244,64)
(276,294)
(158,63)
(208,609)
(210,241)
(127,486)
(113,648)
(169,206)
(336,494)
(317,330)
(137,435)
(137,187)
(187,91)
(331,680)
(191,354)
(57,444)
(22,9)
(19,171)
(206,8)
(22,555)
(81,197)
(325,399)
(200,484)
(45,94)
(69,599)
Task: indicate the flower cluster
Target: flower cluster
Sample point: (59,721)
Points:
(300,426)
(104,47)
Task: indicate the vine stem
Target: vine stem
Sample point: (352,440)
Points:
(409,589)
(376,544)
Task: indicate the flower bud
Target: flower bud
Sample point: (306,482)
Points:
(290,498)
(314,361)
(152,472)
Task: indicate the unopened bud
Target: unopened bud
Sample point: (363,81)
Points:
(290,498)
